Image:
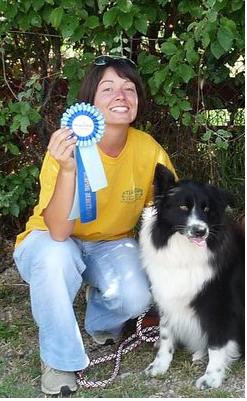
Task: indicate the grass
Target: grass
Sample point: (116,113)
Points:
(20,364)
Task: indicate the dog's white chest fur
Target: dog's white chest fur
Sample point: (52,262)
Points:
(177,273)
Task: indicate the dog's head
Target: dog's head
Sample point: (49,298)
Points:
(193,209)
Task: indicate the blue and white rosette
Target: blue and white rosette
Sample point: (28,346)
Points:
(88,125)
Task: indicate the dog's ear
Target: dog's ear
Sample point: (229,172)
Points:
(163,179)
(224,197)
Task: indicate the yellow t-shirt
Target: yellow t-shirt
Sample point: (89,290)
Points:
(120,204)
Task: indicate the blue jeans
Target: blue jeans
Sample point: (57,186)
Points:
(55,272)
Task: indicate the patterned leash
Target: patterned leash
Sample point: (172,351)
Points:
(148,334)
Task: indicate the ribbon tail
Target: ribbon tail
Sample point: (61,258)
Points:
(87,198)
(93,166)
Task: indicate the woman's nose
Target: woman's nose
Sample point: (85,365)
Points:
(119,94)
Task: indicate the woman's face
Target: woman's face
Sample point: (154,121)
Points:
(116,98)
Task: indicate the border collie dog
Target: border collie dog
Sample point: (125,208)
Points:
(194,259)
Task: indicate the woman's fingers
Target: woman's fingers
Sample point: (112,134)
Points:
(61,146)
(58,150)
(58,137)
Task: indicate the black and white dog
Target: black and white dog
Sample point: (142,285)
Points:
(195,262)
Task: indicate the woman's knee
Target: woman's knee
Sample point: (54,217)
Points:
(43,256)
(129,302)
(135,301)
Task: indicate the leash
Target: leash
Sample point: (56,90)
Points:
(148,334)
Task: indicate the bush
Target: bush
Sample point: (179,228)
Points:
(190,54)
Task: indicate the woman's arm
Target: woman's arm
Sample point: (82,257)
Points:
(57,212)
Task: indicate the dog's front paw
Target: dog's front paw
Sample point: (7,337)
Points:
(210,380)
(156,368)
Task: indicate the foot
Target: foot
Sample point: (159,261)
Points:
(102,337)
(57,382)
(105,338)
(210,380)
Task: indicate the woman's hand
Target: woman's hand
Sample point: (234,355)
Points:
(61,147)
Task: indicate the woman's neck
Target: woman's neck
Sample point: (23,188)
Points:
(114,140)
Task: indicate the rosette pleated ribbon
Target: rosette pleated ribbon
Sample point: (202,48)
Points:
(87,123)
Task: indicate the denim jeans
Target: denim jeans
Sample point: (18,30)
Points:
(55,272)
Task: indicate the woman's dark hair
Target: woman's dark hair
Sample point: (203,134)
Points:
(123,69)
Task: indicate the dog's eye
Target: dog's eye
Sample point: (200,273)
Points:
(206,209)
(184,207)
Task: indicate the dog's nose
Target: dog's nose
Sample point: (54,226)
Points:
(198,231)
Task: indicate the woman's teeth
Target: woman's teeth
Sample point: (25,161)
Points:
(119,109)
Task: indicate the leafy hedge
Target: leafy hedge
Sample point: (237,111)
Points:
(190,54)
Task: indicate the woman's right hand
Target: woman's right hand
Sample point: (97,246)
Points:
(61,148)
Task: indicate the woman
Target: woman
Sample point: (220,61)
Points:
(55,255)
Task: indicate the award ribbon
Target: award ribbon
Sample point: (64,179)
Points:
(88,125)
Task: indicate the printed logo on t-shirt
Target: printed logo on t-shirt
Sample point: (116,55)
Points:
(132,195)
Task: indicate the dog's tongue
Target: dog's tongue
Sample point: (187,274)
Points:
(198,241)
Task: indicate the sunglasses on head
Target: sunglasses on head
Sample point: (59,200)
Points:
(104,60)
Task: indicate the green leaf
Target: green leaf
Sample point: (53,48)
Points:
(150,13)
(192,56)
(71,68)
(148,64)
(68,26)
(37,4)
(14,210)
(160,76)
(24,107)
(212,15)
(175,112)
(221,143)
(2,121)
(36,20)
(216,49)
(186,72)
(92,22)
(161,100)
(174,62)
(141,25)
(224,134)
(34,116)
(102,4)
(125,20)
(237,4)
(207,135)
(225,37)
(211,3)
(124,5)
(23,21)
(68,4)
(25,122)
(205,39)
(168,48)
(56,16)
(185,105)
(110,17)
(186,119)
(34,171)
(13,149)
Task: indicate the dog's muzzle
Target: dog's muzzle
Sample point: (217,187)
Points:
(197,234)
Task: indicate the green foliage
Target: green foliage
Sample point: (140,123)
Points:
(17,191)
(182,48)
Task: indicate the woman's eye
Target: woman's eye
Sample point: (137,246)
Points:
(107,89)
(184,207)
